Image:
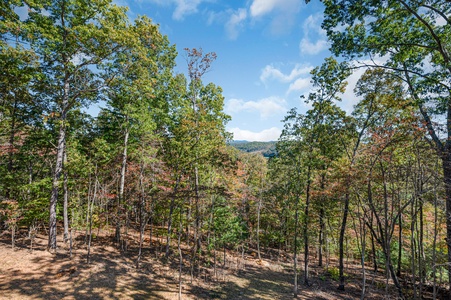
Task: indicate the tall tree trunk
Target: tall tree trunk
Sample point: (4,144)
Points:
(61,146)
(434,244)
(344,219)
(295,254)
(321,223)
(306,223)
(90,209)
(321,237)
(398,269)
(12,135)
(444,149)
(421,259)
(362,257)
(259,205)
(179,247)
(196,245)
(65,202)
(413,247)
(171,211)
(120,199)
(373,246)
(142,214)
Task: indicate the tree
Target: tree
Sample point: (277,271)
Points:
(413,37)
(304,136)
(71,38)
(133,107)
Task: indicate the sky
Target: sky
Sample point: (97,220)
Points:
(265,52)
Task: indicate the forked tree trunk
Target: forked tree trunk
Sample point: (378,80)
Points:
(58,170)
(90,209)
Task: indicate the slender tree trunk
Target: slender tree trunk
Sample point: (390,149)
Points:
(393,274)
(321,237)
(90,215)
(171,210)
(398,269)
(421,259)
(446,164)
(12,137)
(120,199)
(295,253)
(58,168)
(61,144)
(413,247)
(344,219)
(362,257)
(180,253)
(306,223)
(259,205)
(373,247)
(434,242)
(142,215)
(65,203)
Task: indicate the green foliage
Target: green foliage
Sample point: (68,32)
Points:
(229,229)
(334,273)
(267,149)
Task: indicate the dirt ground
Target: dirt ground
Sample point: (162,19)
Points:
(112,274)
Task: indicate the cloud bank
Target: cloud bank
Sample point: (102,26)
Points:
(267,135)
(265,107)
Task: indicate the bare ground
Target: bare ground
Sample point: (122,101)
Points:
(112,274)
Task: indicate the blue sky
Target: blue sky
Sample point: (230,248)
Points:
(265,51)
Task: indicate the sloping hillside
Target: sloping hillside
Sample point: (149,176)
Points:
(268,149)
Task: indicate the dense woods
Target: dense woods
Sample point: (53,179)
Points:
(373,185)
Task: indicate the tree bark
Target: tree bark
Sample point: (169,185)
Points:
(341,285)
(58,169)
(65,203)
(306,223)
(120,199)
(446,164)
(171,210)
(295,254)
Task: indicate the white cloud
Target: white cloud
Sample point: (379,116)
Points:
(312,26)
(313,23)
(301,84)
(185,7)
(306,46)
(267,135)
(270,72)
(235,23)
(283,13)
(265,107)
(263,7)
(182,7)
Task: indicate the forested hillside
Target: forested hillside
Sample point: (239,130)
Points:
(156,174)
(267,149)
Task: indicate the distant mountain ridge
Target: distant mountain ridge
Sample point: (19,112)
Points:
(267,149)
